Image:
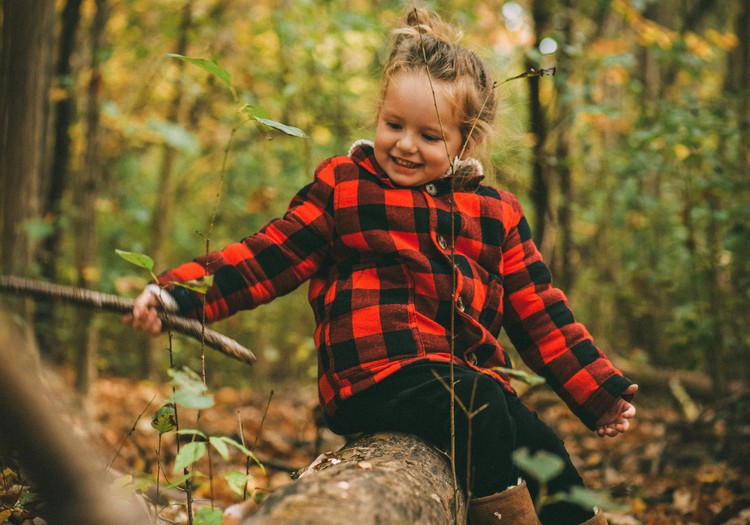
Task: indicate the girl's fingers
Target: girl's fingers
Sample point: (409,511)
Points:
(144,316)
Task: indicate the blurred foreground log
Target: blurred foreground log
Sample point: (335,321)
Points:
(62,467)
(381,478)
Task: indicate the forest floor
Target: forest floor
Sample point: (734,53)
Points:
(666,470)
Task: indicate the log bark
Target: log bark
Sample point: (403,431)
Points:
(73,487)
(380,478)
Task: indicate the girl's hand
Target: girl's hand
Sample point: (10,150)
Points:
(615,420)
(144,316)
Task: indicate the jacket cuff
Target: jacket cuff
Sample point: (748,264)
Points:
(165,298)
(603,399)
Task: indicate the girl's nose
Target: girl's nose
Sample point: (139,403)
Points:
(406,143)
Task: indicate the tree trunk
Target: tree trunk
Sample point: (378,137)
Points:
(87,192)
(737,82)
(743,84)
(24,83)
(380,478)
(162,214)
(540,184)
(563,267)
(57,179)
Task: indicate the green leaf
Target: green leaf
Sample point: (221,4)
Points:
(208,516)
(38,229)
(189,453)
(186,378)
(179,481)
(211,67)
(243,449)
(196,400)
(200,285)
(588,498)
(254,111)
(236,481)
(176,136)
(123,481)
(238,446)
(164,419)
(220,446)
(139,259)
(289,130)
(141,482)
(542,466)
(190,391)
(192,432)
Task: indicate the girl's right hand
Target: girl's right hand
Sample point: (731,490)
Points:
(144,316)
(617,419)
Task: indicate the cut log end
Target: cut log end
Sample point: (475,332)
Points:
(380,478)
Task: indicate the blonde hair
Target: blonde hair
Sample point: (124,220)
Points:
(426,43)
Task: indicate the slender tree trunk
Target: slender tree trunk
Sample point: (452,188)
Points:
(23,92)
(24,83)
(715,354)
(743,85)
(743,160)
(86,194)
(563,268)
(57,180)
(161,216)
(737,84)
(540,184)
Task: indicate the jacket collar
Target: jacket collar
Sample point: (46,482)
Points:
(466,174)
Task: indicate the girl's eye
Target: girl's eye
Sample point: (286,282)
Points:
(393,125)
(430,138)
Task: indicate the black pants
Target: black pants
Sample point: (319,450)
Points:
(416,402)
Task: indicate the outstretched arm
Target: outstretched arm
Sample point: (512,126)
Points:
(616,420)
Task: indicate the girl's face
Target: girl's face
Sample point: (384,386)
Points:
(410,144)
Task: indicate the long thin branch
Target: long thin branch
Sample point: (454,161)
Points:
(114,303)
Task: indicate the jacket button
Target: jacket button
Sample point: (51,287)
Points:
(442,242)
(471,358)
(460,304)
(431,189)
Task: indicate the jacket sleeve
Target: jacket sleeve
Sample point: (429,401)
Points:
(272,262)
(541,325)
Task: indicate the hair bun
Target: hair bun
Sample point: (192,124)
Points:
(428,24)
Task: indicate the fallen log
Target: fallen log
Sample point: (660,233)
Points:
(65,474)
(376,479)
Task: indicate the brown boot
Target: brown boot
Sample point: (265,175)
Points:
(598,519)
(510,507)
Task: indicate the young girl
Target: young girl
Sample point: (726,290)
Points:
(414,267)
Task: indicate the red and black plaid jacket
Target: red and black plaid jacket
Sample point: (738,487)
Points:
(378,258)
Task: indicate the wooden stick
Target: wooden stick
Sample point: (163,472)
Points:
(115,303)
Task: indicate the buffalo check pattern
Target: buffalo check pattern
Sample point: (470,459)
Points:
(378,260)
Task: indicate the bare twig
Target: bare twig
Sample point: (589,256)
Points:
(257,438)
(130,433)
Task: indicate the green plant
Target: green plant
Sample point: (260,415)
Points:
(543,467)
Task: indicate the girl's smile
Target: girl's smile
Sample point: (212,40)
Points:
(413,144)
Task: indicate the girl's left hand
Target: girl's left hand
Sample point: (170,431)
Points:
(615,420)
